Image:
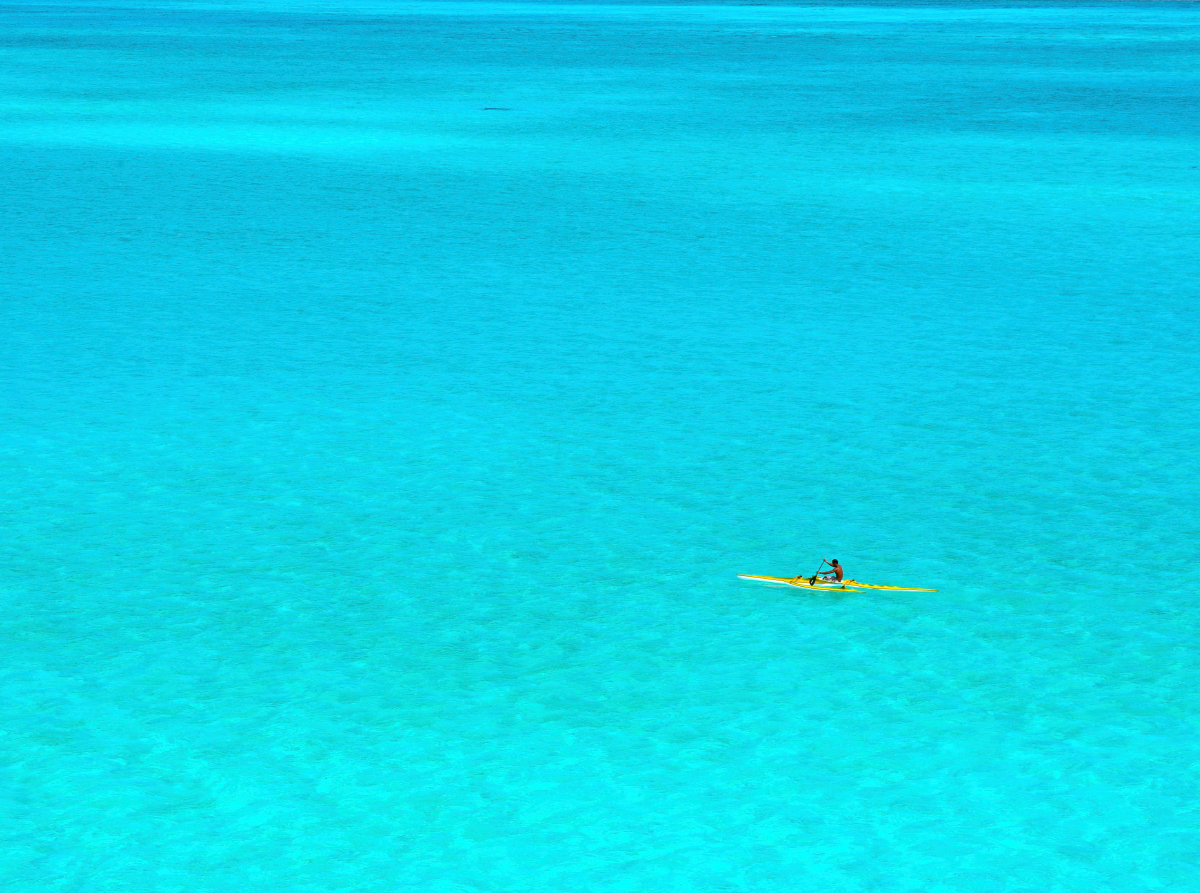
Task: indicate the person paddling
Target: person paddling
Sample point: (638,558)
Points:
(834,575)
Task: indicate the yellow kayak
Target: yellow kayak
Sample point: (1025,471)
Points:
(848,585)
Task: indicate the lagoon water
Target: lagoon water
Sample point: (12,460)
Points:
(393,391)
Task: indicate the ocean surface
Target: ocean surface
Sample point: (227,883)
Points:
(392,393)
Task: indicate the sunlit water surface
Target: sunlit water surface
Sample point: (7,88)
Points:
(393,392)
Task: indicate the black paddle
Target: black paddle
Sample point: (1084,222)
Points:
(813,579)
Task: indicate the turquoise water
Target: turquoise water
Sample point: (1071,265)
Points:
(376,469)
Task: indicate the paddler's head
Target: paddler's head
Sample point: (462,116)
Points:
(833,563)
